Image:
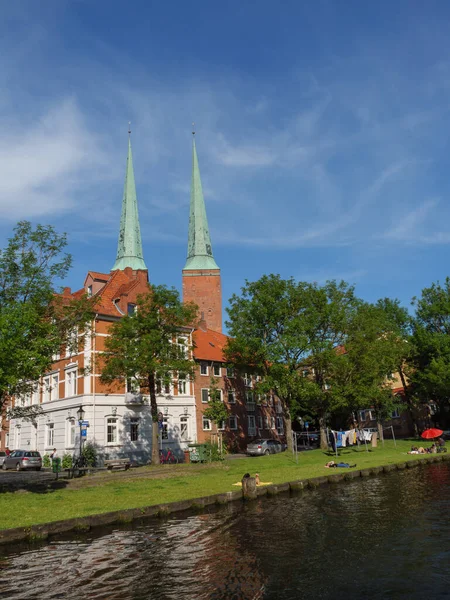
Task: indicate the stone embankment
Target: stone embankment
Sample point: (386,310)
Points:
(46,530)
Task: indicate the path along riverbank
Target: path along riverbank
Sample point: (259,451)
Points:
(37,512)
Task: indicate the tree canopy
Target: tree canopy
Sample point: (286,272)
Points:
(34,321)
(151,346)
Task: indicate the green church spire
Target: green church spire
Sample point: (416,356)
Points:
(129,249)
(200,255)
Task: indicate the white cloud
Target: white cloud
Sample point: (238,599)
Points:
(43,167)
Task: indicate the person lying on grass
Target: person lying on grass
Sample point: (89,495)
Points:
(334,465)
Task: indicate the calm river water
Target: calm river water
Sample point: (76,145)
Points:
(382,537)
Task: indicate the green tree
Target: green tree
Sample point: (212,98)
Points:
(150,346)
(216,411)
(288,332)
(34,322)
(373,351)
(430,372)
(400,324)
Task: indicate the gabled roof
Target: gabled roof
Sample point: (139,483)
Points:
(99,276)
(120,287)
(209,345)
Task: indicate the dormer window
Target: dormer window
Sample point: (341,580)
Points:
(89,290)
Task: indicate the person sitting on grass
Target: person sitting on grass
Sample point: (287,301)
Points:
(414,450)
(342,465)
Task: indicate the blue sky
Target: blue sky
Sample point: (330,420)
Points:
(322,134)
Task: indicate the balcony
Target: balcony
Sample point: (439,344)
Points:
(134,398)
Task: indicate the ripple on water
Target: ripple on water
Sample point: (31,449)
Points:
(381,537)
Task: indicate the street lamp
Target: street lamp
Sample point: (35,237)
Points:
(80,415)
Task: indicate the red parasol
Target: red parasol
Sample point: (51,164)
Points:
(429,434)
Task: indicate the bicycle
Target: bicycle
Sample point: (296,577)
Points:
(167,458)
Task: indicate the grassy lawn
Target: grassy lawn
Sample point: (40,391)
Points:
(99,494)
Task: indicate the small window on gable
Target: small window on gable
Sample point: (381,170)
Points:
(131,309)
(89,290)
(203,368)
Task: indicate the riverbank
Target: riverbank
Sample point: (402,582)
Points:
(153,490)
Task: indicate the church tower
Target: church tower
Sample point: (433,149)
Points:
(129,249)
(201,275)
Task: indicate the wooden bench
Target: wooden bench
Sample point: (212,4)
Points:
(118,463)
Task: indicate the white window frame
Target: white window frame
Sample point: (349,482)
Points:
(231,397)
(50,435)
(272,423)
(203,395)
(204,366)
(229,372)
(395,414)
(71,383)
(259,421)
(266,422)
(17,436)
(113,422)
(222,425)
(182,386)
(184,420)
(248,382)
(280,425)
(216,366)
(251,424)
(206,422)
(135,421)
(165,429)
(71,429)
(233,422)
(250,400)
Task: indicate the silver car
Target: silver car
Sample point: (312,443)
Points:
(260,447)
(2,457)
(23,459)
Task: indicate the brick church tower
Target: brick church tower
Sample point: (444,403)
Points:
(201,275)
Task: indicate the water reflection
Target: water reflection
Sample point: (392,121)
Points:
(384,537)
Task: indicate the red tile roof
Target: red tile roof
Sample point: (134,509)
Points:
(209,345)
(118,284)
(101,276)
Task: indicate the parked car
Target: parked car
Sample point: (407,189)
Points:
(2,457)
(260,447)
(22,459)
(308,439)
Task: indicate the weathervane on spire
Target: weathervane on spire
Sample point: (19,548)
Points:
(129,128)
(193,128)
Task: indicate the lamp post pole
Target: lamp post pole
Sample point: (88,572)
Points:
(80,415)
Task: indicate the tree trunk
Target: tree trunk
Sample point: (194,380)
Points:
(323,434)
(380,430)
(289,443)
(154,411)
(409,402)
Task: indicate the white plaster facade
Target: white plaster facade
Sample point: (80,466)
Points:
(119,425)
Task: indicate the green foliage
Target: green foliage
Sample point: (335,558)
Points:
(46,462)
(430,372)
(144,346)
(284,328)
(90,454)
(66,461)
(33,322)
(213,452)
(216,411)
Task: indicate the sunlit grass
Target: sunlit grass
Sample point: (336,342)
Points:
(105,493)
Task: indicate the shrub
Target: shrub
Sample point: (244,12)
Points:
(67,461)
(46,462)
(213,452)
(90,454)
